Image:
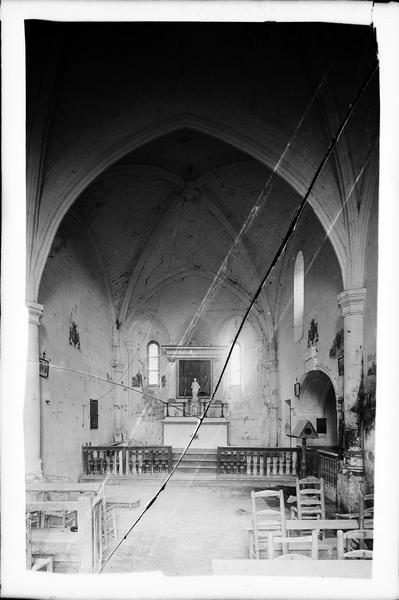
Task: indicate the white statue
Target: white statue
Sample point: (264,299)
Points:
(195,388)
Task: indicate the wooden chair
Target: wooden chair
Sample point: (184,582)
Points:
(265,520)
(310,542)
(366,511)
(309,499)
(59,519)
(346,540)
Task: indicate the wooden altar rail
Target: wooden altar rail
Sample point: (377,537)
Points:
(328,469)
(323,462)
(82,548)
(266,462)
(187,408)
(126,461)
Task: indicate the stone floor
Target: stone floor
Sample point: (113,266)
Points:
(184,529)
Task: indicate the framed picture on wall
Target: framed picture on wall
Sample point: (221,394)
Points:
(201,370)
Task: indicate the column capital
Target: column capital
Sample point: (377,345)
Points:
(35,312)
(351,302)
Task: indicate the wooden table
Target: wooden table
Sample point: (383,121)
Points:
(294,568)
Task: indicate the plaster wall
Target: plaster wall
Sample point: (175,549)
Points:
(176,309)
(322,285)
(73,292)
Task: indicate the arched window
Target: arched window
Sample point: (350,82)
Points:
(299,292)
(153,363)
(235,365)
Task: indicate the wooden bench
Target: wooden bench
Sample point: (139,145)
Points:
(78,551)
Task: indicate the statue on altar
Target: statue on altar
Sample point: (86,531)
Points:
(195,388)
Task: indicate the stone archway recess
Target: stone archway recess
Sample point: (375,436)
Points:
(318,398)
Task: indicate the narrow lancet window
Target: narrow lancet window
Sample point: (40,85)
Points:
(299,293)
(153,363)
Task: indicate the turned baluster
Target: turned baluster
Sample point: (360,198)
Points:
(236,462)
(294,462)
(164,461)
(104,462)
(90,461)
(96,467)
(108,461)
(116,463)
(287,463)
(167,409)
(241,463)
(222,411)
(274,465)
(140,459)
(261,464)
(268,465)
(249,456)
(281,463)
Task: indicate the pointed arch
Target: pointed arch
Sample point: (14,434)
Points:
(107,144)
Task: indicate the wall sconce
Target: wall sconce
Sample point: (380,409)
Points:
(297,389)
(44,366)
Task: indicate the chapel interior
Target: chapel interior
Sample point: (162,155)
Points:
(165,165)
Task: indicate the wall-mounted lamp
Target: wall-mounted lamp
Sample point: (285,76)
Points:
(297,389)
(44,366)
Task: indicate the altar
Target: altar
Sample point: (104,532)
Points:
(194,371)
(177,432)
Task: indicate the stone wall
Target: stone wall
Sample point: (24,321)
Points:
(76,335)
(295,359)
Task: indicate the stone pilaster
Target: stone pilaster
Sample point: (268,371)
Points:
(272,368)
(351,478)
(119,401)
(32,425)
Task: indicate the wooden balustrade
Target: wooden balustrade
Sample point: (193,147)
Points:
(265,462)
(126,461)
(327,469)
(187,408)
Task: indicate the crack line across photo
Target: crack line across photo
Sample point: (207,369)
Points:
(281,249)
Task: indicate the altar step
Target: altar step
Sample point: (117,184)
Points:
(196,460)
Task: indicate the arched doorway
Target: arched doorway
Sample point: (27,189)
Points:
(317,403)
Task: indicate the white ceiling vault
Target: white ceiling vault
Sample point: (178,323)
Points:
(160,142)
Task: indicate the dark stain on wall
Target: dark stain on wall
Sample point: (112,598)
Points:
(74,338)
(337,348)
(313,333)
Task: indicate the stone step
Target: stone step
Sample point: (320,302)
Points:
(196,459)
(196,468)
(195,451)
